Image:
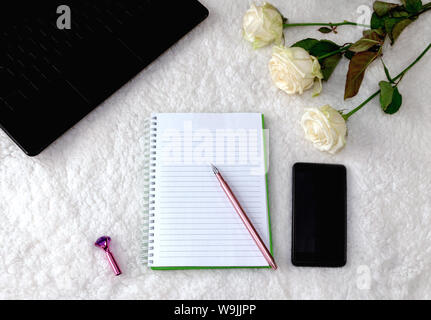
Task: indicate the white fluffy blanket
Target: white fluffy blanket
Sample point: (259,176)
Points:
(89,183)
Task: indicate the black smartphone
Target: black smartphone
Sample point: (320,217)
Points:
(319,215)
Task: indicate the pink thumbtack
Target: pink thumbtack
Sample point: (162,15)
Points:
(103,242)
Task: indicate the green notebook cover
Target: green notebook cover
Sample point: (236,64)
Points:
(269,222)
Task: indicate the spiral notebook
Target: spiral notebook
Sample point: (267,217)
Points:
(189,222)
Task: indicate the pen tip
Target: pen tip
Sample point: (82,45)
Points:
(215,170)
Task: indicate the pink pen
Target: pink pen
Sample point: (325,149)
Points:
(244,218)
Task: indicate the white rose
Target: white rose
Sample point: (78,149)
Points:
(325,128)
(294,70)
(263,25)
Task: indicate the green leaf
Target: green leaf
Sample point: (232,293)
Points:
(386,92)
(328,65)
(323,47)
(325,30)
(390,98)
(396,103)
(398,28)
(400,13)
(389,25)
(363,44)
(382,8)
(412,6)
(358,64)
(377,22)
(306,44)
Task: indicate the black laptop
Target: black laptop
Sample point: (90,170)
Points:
(61,59)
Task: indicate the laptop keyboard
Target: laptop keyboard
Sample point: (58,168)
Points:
(36,52)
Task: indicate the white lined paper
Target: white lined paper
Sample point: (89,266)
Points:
(194,224)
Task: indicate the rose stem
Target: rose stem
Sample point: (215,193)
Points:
(286,25)
(334,52)
(425,7)
(401,74)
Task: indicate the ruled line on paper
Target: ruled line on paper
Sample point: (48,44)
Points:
(212,188)
(209,239)
(213,197)
(213,213)
(205,256)
(192,223)
(195,216)
(198,207)
(181,201)
(214,210)
(196,167)
(204,232)
(186,251)
(208,178)
(207,245)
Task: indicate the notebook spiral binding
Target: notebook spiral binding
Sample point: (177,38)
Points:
(150,188)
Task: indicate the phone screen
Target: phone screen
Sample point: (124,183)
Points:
(319,215)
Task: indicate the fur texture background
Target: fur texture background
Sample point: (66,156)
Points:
(89,182)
